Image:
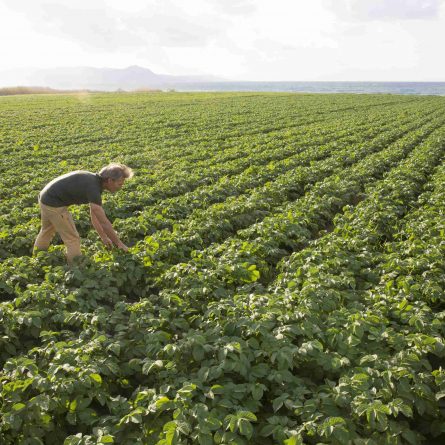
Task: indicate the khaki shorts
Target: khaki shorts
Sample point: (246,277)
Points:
(60,220)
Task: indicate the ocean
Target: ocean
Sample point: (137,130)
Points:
(422,88)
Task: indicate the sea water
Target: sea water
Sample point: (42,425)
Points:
(422,88)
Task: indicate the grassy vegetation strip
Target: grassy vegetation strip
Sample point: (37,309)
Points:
(372,337)
(157,173)
(249,255)
(19,240)
(345,345)
(249,183)
(196,233)
(220,365)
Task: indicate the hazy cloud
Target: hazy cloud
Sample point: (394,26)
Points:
(386,9)
(182,30)
(235,7)
(244,39)
(92,26)
(97,25)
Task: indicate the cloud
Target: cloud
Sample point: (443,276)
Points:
(99,26)
(368,10)
(236,7)
(177,31)
(244,39)
(89,25)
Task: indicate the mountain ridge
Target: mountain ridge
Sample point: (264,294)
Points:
(85,77)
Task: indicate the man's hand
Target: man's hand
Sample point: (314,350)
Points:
(104,227)
(122,246)
(108,243)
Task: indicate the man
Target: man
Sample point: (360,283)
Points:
(79,187)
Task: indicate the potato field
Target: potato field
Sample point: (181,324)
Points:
(285,282)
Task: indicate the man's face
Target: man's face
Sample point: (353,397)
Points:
(113,185)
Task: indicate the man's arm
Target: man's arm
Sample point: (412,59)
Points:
(103,226)
(99,229)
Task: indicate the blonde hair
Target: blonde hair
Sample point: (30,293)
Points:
(116,171)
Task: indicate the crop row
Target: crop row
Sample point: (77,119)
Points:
(246,257)
(297,300)
(316,322)
(277,191)
(216,223)
(20,238)
(271,183)
(206,366)
(220,220)
(160,181)
(70,119)
(295,225)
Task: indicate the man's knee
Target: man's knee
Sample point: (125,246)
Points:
(42,243)
(73,249)
(72,242)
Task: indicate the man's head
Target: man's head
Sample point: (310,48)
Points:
(114,175)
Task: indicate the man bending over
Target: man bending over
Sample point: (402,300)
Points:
(79,187)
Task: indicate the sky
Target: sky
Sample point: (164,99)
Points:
(262,40)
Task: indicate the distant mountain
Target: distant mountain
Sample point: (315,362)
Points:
(105,79)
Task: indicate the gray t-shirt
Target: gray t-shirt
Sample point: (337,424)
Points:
(79,187)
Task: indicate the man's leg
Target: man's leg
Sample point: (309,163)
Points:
(63,223)
(47,232)
(70,236)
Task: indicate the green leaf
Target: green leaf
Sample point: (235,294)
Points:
(73,440)
(73,405)
(106,439)
(135,418)
(246,415)
(96,377)
(71,418)
(115,348)
(267,430)
(411,437)
(294,440)
(437,428)
(213,423)
(440,395)
(18,406)
(151,366)
(198,353)
(217,389)
(257,392)
(164,403)
(245,427)
(205,439)
(171,433)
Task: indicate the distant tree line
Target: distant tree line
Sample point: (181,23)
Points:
(9,91)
